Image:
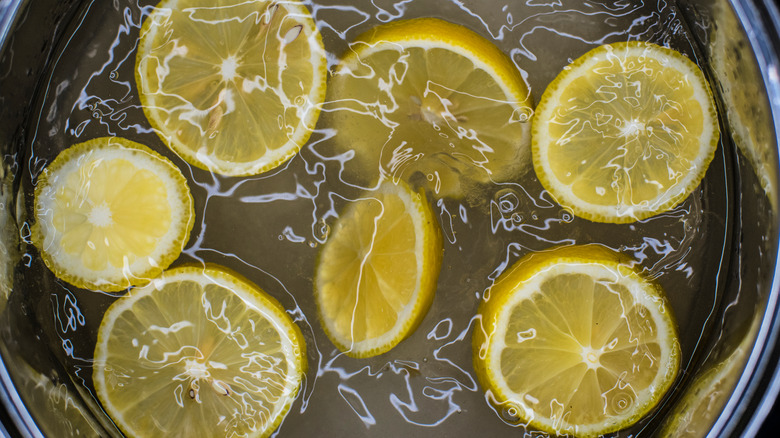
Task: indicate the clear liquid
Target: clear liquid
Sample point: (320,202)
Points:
(270,227)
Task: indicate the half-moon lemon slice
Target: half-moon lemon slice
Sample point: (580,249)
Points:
(376,276)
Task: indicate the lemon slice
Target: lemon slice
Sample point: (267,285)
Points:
(111,213)
(573,341)
(199,352)
(234,88)
(625,132)
(428,96)
(376,276)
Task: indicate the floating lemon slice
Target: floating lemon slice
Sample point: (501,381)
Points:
(111,213)
(376,275)
(625,132)
(199,352)
(432,97)
(573,341)
(233,87)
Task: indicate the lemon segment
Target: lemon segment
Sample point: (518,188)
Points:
(625,132)
(428,96)
(199,352)
(376,276)
(111,213)
(234,88)
(573,341)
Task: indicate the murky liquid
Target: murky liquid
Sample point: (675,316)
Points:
(270,227)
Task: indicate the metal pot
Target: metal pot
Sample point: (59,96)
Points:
(731,379)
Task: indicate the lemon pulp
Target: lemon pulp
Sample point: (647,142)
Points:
(199,352)
(235,88)
(428,97)
(376,275)
(573,341)
(625,132)
(111,213)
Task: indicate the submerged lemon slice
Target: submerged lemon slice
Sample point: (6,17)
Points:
(111,213)
(199,352)
(573,341)
(625,132)
(234,87)
(432,97)
(376,275)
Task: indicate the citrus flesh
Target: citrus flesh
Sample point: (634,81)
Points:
(573,341)
(430,97)
(376,276)
(234,88)
(625,132)
(199,352)
(111,213)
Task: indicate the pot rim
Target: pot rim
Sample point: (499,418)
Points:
(756,391)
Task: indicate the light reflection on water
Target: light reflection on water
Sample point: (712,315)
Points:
(270,227)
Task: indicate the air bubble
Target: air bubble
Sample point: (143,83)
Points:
(525,114)
(507,201)
(510,414)
(321,230)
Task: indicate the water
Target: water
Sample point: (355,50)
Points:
(271,227)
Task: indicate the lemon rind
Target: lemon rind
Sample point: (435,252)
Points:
(279,155)
(46,238)
(677,193)
(264,304)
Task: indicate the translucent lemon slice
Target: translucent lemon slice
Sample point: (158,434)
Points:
(432,97)
(625,132)
(234,86)
(376,275)
(199,352)
(573,341)
(111,213)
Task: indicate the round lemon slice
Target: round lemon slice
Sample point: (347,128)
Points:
(430,97)
(199,352)
(625,132)
(234,86)
(573,341)
(376,276)
(111,213)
